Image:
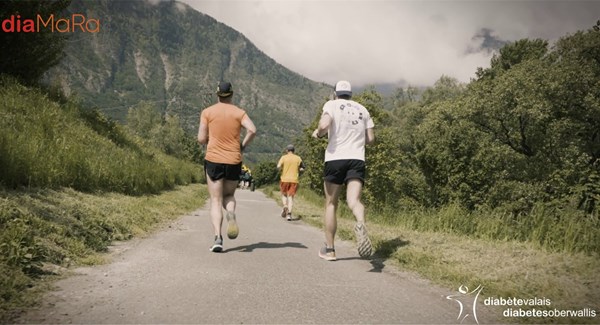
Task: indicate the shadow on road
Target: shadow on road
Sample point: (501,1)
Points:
(384,251)
(264,245)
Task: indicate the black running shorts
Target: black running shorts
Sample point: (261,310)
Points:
(216,171)
(341,171)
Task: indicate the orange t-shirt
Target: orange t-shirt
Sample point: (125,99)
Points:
(224,123)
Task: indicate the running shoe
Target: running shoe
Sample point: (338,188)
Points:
(232,227)
(365,249)
(217,245)
(289,217)
(327,254)
(284,212)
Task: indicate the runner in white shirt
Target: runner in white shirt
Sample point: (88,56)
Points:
(349,127)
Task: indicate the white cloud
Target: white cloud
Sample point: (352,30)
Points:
(388,41)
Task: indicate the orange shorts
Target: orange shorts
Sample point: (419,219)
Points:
(288,189)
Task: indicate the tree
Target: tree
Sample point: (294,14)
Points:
(544,107)
(165,133)
(444,88)
(172,136)
(27,56)
(513,54)
(265,173)
(144,119)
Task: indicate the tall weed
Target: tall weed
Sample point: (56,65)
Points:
(554,229)
(47,144)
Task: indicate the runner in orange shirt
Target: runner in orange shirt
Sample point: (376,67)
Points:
(220,129)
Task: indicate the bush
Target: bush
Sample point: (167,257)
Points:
(265,173)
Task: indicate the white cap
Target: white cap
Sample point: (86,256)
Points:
(343,87)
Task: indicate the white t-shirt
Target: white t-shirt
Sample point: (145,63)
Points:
(347,131)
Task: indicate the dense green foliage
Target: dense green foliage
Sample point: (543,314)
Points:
(515,154)
(48,144)
(265,173)
(27,56)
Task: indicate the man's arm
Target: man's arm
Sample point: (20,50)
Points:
(202,132)
(323,126)
(370,136)
(250,131)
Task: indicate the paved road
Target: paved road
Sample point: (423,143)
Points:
(270,274)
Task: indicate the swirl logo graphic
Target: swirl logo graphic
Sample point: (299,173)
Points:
(467,302)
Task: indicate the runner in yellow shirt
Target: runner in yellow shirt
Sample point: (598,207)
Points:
(290,166)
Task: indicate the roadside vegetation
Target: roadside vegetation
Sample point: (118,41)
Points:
(48,143)
(73,181)
(45,231)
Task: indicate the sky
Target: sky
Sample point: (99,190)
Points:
(393,41)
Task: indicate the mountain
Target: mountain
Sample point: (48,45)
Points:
(384,89)
(169,54)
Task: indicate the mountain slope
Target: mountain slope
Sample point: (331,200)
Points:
(172,55)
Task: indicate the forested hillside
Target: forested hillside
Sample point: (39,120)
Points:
(172,57)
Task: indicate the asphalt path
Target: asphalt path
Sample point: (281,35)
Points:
(270,274)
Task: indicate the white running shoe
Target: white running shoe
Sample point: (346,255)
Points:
(365,249)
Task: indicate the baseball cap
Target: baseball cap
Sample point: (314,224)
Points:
(343,87)
(290,147)
(224,89)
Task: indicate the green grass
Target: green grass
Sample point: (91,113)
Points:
(555,230)
(67,176)
(45,143)
(440,252)
(64,227)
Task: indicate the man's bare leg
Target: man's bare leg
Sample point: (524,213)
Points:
(332,193)
(353,191)
(229,205)
(215,191)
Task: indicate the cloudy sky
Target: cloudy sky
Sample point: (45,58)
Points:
(393,41)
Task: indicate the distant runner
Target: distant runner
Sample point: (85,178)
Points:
(349,127)
(220,128)
(290,166)
(246,177)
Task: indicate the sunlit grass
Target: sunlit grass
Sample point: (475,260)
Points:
(65,227)
(44,143)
